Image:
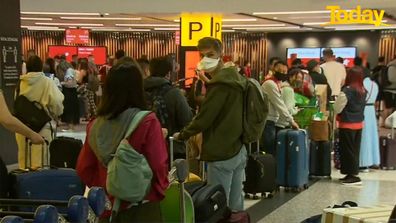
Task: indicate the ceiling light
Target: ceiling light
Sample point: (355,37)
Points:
(107,14)
(117,30)
(291,12)
(176,20)
(68,24)
(42,28)
(255,25)
(149,25)
(239,20)
(314,23)
(275,18)
(227,31)
(268,28)
(72,27)
(167,29)
(309,17)
(62,13)
(351,28)
(101,18)
(38,19)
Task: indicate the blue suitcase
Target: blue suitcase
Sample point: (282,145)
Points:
(45,184)
(292,159)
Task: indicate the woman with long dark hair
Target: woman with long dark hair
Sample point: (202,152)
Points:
(350,106)
(123,96)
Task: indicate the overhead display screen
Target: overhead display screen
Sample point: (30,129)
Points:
(99,53)
(347,53)
(68,51)
(77,36)
(305,54)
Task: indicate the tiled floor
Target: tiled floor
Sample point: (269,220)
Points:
(379,187)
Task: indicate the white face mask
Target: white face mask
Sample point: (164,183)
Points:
(207,64)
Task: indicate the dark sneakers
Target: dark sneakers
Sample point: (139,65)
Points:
(351,180)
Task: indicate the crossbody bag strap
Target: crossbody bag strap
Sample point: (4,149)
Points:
(135,122)
(371,90)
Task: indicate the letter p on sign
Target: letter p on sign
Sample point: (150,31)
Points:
(197,26)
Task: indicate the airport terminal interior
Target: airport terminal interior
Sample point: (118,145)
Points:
(81,46)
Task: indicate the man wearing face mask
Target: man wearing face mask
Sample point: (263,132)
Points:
(220,121)
(278,117)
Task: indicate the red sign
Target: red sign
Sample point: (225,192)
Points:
(68,51)
(77,36)
(192,60)
(177,38)
(99,53)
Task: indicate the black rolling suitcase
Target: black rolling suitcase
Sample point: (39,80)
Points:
(320,159)
(64,152)
(210,201)
(388,151)
(260,174)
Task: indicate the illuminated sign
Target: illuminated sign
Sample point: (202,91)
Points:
(340,16)
(197,26)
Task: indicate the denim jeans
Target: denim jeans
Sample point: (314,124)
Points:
(231,175)
(269,138)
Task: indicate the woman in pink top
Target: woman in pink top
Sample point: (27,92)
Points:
(122,94)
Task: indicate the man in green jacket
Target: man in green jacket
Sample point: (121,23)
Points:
(220,121)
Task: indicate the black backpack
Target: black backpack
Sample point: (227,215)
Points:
(30,113)
(156,102)
(384,76)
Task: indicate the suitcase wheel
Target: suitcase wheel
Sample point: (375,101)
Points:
(247,196)
(306,186)
(255,197)
(287,189)
(269,195)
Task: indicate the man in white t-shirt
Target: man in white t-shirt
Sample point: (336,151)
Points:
(334,71)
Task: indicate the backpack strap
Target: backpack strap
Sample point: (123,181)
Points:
(135,122)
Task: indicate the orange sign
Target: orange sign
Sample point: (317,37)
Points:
(192,59)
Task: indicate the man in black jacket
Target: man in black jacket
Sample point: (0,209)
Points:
(158,87)
(315,71)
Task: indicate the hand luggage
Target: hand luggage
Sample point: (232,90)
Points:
(320,159)
(44,184)
(260,174)
(388,151)
(64,152)
(292,159)
(210,201)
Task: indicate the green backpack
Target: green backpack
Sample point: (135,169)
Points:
(128,174)
(255,111)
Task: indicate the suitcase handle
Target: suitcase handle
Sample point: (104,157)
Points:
(28,154)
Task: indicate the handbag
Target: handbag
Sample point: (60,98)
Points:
(319,130)
(30,113)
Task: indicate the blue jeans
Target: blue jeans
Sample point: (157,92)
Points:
(269,138)
(231,175)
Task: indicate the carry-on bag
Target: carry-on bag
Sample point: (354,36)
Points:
(388,151)
(210,201)
(44,184)
(260,174)
(292,159)
(64,152)
(320,159)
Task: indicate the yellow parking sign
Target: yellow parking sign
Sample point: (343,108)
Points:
(197,26)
